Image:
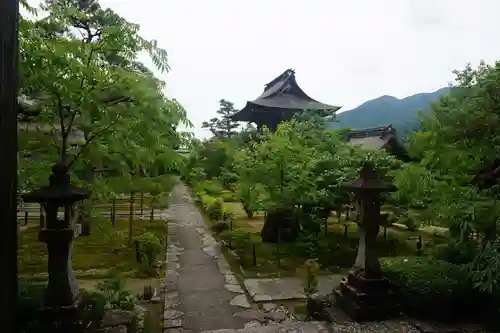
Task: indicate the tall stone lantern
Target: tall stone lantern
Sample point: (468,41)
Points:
(62,290)
(366,294)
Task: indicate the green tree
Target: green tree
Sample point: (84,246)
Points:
(79,64)
(222,127)
(459,138)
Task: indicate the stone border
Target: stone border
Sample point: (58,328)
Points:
(172,317)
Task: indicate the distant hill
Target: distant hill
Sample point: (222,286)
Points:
(401,113)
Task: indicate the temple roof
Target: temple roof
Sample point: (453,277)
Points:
(282,93)
(383,137)
(371,138)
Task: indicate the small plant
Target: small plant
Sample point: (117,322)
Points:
(149,248)
(115,295)
(310,270)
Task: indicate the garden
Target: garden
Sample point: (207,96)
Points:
(275,200)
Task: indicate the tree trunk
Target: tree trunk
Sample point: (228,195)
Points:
(84,214)
(131,218)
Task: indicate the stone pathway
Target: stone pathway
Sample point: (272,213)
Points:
(201,293)
(267,290)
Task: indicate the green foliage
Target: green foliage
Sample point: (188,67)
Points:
(240,240)
(95,105)
(458,140)
(223,127)
(115,296)
(149,248)
(310,271)
(214,207)
(435,288)
(220,226)
(210,187)
(301,162)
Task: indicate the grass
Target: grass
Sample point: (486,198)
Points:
(104,253)
(336,252)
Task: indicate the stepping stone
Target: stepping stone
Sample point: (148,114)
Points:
(172,314)
(269,306)
(252,315)
(174,323)
(231,279)
(241,301)
(234,288)
(276,316)
(172,295)
(224,267)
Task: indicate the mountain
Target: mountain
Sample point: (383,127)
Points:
(385,110)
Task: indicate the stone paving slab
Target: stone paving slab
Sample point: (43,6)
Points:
(299,327)
(266,290)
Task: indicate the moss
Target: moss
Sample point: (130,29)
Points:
(105,252)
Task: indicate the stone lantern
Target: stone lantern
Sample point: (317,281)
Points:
(62,289)
(366,294)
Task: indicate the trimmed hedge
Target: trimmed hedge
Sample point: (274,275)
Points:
(436,289)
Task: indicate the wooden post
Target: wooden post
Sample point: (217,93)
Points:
(346,226)
(137,252)
(9,54)
(26,218)
(278,255)
(42,218)
(325,225)
(419,245)
(142,202)
(254,255)
(113,209)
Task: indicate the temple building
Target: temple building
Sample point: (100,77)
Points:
(281,99)
(383,137)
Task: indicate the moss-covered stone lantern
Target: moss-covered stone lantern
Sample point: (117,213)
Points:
(366,294)
(62,289)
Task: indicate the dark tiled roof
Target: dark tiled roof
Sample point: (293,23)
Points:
(372,138)
(282,93)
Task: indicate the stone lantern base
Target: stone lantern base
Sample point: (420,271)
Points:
(367,299)
(63,318)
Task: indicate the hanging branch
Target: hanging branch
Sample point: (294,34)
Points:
(88,141)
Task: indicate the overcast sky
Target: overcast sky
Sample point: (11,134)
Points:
(344,52)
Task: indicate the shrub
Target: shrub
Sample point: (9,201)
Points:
(210,187)
(455,252)
(214,207)
(220,226)
(149,248)
(435,289)
(241,241)
(229,197)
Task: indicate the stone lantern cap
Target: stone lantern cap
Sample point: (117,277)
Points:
(59,191)
(368,181)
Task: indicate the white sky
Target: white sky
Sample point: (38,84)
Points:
(344,52)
